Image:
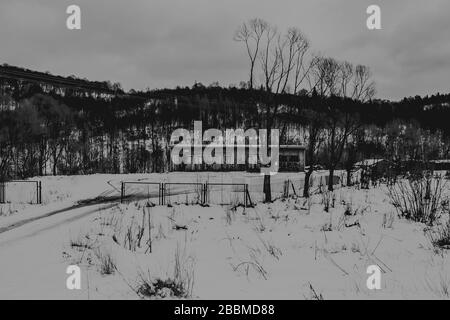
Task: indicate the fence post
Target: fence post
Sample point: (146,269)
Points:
(122,191)
(2,192)
(293,188)
(286,189)
(245,195)
(40,192)
(159,193)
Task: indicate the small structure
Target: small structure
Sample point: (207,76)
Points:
(368,163)
(374,168)
(291,159)
(378,165)
(440,165)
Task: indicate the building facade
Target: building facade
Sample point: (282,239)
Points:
(291,159)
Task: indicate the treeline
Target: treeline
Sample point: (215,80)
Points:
(51,130)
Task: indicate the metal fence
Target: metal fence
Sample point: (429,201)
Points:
(186,193)
(204,193)
(140,190)
(183,192)
(21,191)
(228,194)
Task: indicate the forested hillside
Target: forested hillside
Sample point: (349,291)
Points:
(65,125)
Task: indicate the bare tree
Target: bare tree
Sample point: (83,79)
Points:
(302,67)
(339,126)
(250,33)
(315,139)
(269,58)
(332,78)
(283,60)
(298,45)
(363,86)
(347,73)
(325,76)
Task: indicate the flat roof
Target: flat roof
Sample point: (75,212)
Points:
(288,146)
(369,162)
(445,161)
(284,146)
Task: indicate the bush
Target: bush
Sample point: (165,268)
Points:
(419,197)
(328,200)
(158,288)
(178,286)
(107,264)
(441,237)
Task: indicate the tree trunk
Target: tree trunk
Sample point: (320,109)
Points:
(55,162)
(266,190)
(41,159)
(306,185)
(330,179)
(251,74)
(349,177)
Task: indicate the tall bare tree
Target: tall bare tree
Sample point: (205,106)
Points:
(250,33)
(315,138)
(269,58)
(339,127)
(324,76)
(302,66)
(340,79)
(347,73)
(282,60)
(363,85)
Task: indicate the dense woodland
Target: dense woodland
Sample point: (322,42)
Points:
(65,125)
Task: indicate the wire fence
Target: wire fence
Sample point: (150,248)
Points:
(236,194)
(228,194)
(183,193)
(21,191)
(140,190)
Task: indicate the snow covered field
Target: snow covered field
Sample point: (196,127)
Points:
(60,192)
(289,249)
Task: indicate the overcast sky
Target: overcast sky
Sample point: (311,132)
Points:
(165,43)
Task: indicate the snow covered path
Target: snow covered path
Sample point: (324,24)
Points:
(31,264)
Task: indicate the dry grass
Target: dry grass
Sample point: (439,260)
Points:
(440,237)
(179,285)
(107,264)
(388,220)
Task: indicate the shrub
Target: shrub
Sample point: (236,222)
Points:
(441,237)
(328,200)
(180,285)
(82,242)
(388,220)
(419,197)
(162,289)
(270,247)
(313,294)
(107,264)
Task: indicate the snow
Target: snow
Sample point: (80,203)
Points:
(368,162)
(273,251)
(443,161)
